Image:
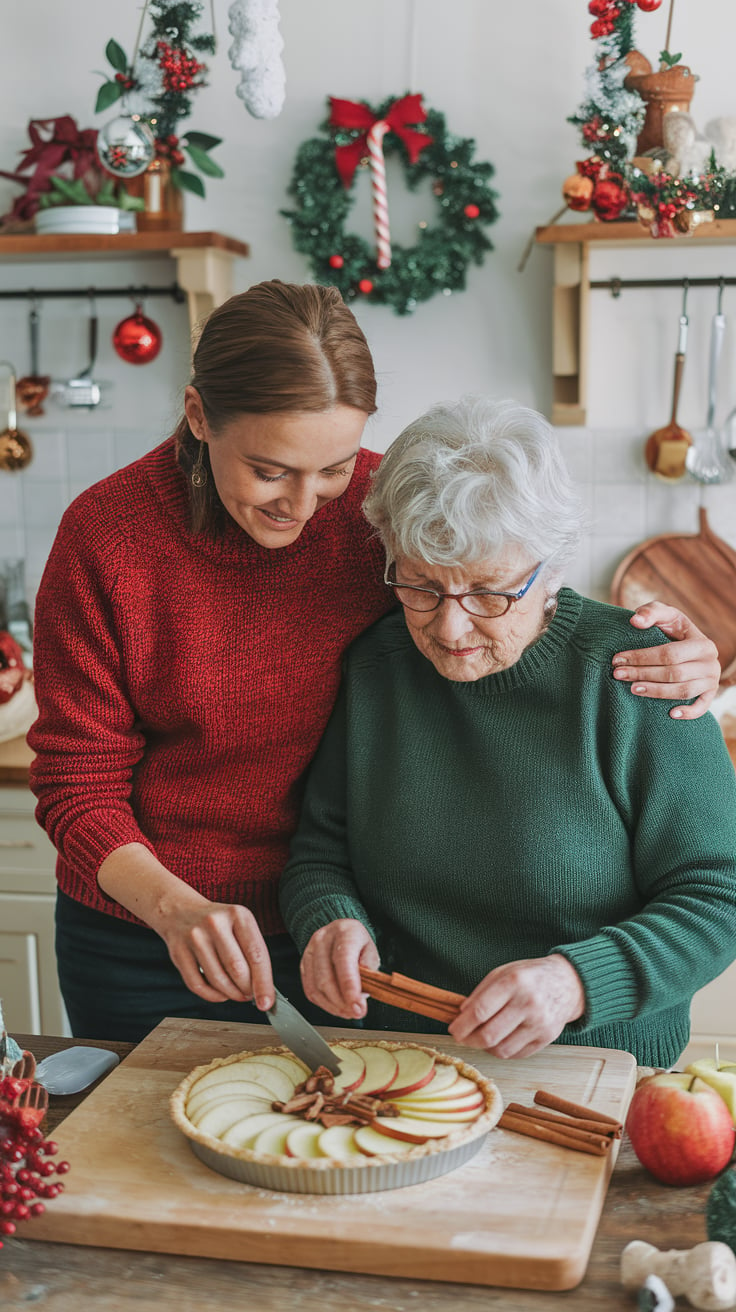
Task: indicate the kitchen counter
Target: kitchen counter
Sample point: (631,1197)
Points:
(67,1278)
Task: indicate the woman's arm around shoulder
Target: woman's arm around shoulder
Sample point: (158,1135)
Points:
(685,668)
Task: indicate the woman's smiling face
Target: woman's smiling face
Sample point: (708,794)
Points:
(274,471)
(465,647)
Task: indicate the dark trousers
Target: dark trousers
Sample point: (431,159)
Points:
(118,981)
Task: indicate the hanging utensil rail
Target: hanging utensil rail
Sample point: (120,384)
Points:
(62,293)
(617,285)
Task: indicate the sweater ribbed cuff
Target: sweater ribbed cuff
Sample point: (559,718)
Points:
(611,992)
(85,846)
(302,922)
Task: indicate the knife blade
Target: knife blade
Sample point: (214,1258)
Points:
(301,1037)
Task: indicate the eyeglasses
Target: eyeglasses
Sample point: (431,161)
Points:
(484,603)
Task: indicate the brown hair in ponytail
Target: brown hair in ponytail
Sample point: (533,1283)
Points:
(276,347)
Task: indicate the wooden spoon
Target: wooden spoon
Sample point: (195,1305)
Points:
(33,389)
(16,450)
(666,449)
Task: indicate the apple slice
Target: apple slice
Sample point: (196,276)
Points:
(352,1069)
(451,1117)
(460,1088)
(415,1070)
(296,1070)
(380,1068)
(304,1140)
(338,1141)
(273,1138)
(218,1119)
(244,1131)
(373,1144)
(460,1107)
(275,1082)
(413,1130)
(222,1093)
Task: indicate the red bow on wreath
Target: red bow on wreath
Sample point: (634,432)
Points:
(351,114)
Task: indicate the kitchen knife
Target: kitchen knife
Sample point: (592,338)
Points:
(301,1037)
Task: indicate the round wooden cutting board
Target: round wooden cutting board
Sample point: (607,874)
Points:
(694,571)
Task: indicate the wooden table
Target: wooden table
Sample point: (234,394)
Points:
(66,1278)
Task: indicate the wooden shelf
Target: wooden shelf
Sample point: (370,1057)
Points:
(631,231)
(204,260)
(571,243)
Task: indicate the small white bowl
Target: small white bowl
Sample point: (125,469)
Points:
(78,218)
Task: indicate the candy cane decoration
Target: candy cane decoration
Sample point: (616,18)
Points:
(378,192)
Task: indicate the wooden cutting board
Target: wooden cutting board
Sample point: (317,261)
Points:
(521,1213)
(694,571)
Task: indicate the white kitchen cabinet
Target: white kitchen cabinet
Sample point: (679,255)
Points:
(28,981)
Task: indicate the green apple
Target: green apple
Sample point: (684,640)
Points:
(721,1076)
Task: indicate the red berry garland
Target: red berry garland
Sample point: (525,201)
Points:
(180,70)
(24,1153)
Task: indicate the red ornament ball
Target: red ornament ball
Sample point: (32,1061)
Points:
(336,261)
(609,199)
(471,211)
(365,285)
(137,339)
(648,6)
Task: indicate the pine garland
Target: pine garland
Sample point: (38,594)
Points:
(445,248)
(609,120)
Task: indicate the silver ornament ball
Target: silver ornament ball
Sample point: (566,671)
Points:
(126,146)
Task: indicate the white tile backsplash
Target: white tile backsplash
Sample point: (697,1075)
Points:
(626,504)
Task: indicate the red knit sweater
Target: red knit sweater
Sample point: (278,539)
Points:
(183,682)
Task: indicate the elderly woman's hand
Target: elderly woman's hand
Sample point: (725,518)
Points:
(687,667)
(521,1007)
(331,964)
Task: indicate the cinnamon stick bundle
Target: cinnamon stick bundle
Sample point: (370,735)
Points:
(411,995)
(569,1124)
(578,1141)
(556,1104)
(579,1122)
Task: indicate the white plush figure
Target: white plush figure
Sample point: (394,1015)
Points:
(721,133)
(685,150)
(256,54)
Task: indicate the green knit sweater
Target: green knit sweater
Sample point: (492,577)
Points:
(541,809)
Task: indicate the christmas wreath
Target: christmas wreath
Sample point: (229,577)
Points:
(614,181)
(356,136)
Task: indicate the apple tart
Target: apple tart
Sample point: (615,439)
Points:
(397,1114)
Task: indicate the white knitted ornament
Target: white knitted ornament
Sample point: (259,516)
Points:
(256,54)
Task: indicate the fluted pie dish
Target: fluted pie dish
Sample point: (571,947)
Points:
(397,1114)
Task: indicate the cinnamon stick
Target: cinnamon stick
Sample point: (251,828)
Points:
(547,1133)
(569,1131)
(578,1122)
(443,996)
(411,995)
(556,1104)
(414,1005)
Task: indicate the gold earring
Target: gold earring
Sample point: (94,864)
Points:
(199,472)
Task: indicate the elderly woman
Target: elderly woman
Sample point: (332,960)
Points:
(489,810)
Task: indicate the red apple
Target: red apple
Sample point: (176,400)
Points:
(680,1128)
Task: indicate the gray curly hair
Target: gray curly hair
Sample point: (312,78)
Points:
(471,477)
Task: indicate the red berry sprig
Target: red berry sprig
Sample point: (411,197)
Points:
(24,1153)
(168,148)
(180,70)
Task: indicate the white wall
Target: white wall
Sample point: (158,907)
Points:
(506,73)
